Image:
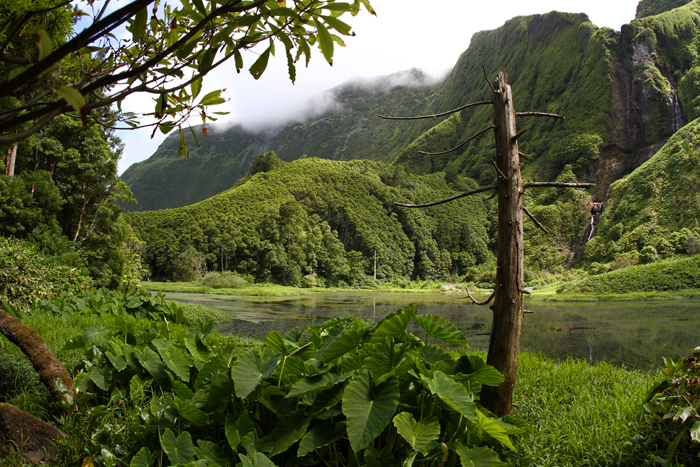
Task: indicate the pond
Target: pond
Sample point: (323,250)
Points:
(635,334)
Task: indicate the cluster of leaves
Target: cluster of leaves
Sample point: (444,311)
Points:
(322,218)
(167,54)
(139,303)
(673,409)
(27,276)
(352,393)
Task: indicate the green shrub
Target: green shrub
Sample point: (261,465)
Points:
(223,280)
(672,410)
(648,255)
(310,281)
(27,276)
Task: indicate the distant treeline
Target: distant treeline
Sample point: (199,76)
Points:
(324,219)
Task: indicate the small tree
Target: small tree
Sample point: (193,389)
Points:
(190,265)
(504,345)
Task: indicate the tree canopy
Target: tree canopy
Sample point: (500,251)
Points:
(49,68)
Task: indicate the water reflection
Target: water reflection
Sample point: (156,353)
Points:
(635,334)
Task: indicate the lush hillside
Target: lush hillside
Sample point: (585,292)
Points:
(654,7)
(347,129)
(656,208)
(326,219)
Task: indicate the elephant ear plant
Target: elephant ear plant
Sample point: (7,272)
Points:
(352,393)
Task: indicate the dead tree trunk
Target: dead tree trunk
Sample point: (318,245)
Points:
(504,346)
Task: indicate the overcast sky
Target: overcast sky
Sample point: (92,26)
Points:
(404,34)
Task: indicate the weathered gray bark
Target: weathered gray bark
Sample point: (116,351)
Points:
(504,346)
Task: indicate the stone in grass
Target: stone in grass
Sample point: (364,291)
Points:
(34,437)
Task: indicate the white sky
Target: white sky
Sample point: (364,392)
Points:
(403,35)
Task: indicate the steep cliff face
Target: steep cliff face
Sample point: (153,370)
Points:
(654,7)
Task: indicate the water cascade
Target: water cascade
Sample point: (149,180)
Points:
(590,234)
(677,115)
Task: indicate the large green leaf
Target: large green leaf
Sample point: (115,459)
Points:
(142,458)
(346,341)
(319,436)
(288,430)
(95,333)
(325,42)
(251,368)
(452,393)
(151,362)
(176,359)
(417,434)
(191,413)
(328,398)
(211,452)
(387,359)
(101,376)
(180,450)
(494,430)
(368,408)
(316,383)
(442,329)
(258,460)
(476,368)
(478,456)
(394,325)
(237,428)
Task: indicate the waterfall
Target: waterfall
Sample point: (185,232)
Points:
(590,234)
(677,121)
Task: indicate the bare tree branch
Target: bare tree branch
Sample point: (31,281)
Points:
(483,68)
(537,223)
(520,133)
(538,114)
(447,200)
(526,156)
(558,185)
(473,104)
(459,146)
(498,170)
(475,302)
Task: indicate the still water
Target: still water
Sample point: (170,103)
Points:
(635,334)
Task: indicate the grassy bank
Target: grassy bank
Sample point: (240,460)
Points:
(551,294)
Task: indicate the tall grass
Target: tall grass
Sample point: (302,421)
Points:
(580,414)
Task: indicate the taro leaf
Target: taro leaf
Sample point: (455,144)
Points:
(368,408)
(142,458)
(208,371)
(180,450)
(181,389)
(346,341)
(191,413)
(151,362)
(101,376)
(494,430)
(477,370)
(311,384)
(433,354)
(176,359)
(258,460)
(383,458)
(513,425)
(295,368)
(394,325)
(275,340)
(417,434)
(137,388)
(328,398)
(117,361)
(75,343)
(209,397)
(211,452)
(288,430)
(452,393)
(683,413)
(251,368)
(384,361)
(442,329)
(294,335)
(478,456)
(319,436)
(81,382)
(237,428)
(408,462)
(95,333)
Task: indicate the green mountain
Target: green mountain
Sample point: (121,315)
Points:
(623,93)
(351,130)
(323,218)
